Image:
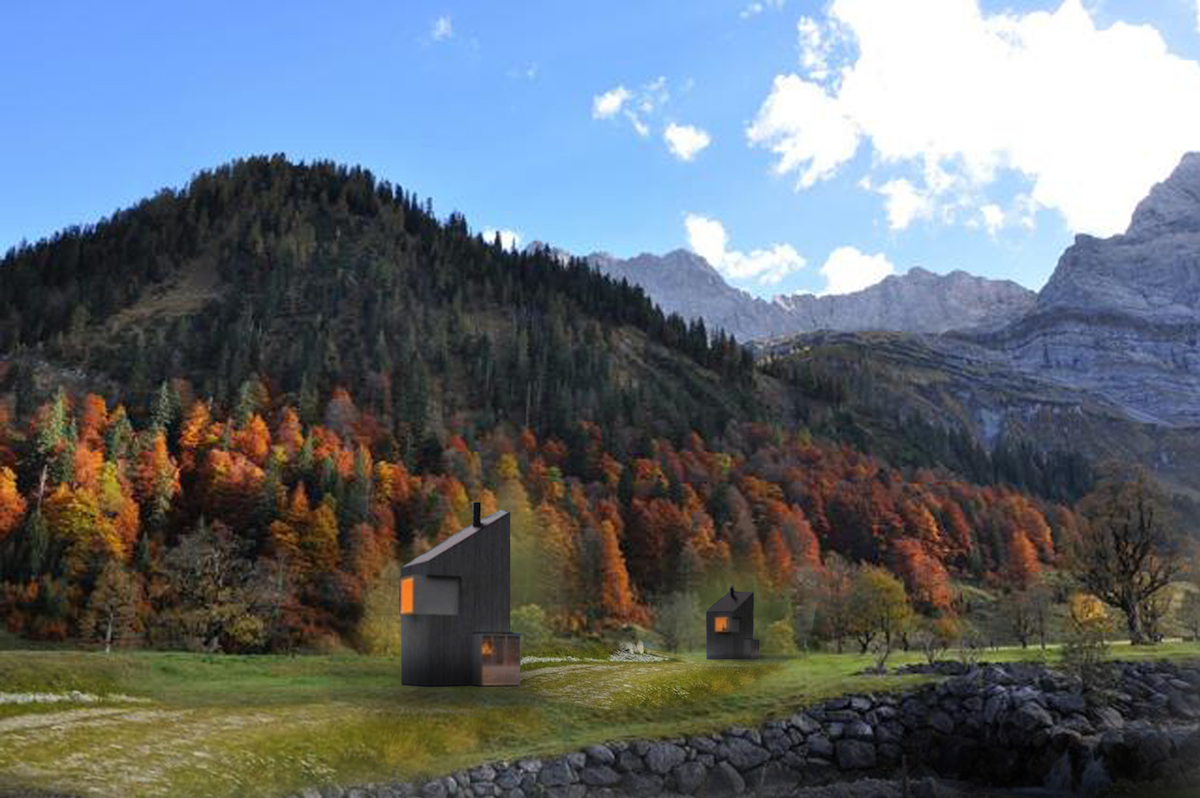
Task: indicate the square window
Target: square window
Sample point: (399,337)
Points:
(423,594)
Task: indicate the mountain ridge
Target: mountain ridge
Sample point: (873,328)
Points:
(919,300)
(1106,361)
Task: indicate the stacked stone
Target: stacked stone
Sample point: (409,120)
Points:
(1002,724)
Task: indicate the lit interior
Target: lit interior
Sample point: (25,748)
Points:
(720,624)
(406,595)
(486,648)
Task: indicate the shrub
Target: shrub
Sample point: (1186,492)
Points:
(529,621)
(971,643)
(1189,614)
(680,621)
(936,636)
(379,629)
(780,639)
(1086,645)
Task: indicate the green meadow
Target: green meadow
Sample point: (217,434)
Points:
(217,726)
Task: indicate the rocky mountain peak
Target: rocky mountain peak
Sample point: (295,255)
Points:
(1152,272)
(1173,206)
(1120,316)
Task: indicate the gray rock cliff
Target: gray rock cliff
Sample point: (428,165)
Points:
(1120,317)
(919,301)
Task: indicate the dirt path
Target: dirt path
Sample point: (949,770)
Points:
(581,666)
(606,686)
(64,718)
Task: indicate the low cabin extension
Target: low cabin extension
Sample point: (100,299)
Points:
(730,627)
(454,610)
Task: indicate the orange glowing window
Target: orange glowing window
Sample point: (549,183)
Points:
(406,596)
(720,624)
(486,647)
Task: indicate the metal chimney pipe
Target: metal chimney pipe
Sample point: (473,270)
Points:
(476,519)
(731,593)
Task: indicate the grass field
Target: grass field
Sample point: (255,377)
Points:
(217,726)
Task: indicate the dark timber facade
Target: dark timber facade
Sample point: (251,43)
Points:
(454,610)
(729,625)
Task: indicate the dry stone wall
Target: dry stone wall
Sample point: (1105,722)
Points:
(1013,724)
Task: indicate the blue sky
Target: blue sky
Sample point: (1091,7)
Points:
(844,141)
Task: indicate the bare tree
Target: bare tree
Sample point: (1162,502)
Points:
(935,636)
(1018,616)
(1026,613)
(1128,551)
(112,611)
(833,613)
(214,582)
(1041,601)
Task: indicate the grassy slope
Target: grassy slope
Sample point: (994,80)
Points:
(261,726)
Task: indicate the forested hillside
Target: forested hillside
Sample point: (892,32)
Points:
(225,412)
(314,277)
(258,531)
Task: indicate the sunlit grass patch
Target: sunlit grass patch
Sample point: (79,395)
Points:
(652,691)
(351,746)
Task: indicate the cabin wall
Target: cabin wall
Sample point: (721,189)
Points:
(730,645)
(437,649)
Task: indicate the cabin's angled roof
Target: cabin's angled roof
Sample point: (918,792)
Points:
(458,537)
(730,601)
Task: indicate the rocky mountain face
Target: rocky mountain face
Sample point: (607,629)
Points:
(919,301)
(1120,317)
(683,282)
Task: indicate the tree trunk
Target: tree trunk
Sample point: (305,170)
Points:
(1133,620)
(108,634)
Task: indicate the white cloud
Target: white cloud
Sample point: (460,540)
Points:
(685,141)
(753,9)
(847,270)
(635,106)
(904,202)
(442,29)
(653,95)
(608,104)
(993,217)
(1091,118)
(708,239)
(509,239)
(806,128)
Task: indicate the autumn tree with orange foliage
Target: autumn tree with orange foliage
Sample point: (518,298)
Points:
(604,521)
(12,504)
(616,595)
(925,577)
(157,479)
(1022,563)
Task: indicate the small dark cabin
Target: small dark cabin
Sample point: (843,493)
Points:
(730,627)
(454,603)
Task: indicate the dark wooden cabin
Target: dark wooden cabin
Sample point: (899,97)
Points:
(730,627)
(454,610)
